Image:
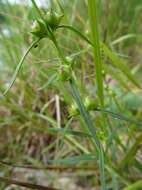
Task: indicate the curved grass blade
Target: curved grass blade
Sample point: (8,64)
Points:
(77,32)
(38,10)
(51,79)
(60,131)
(122,38)
(84,113)
(130,155)
(118,116)
(19,66)
(75,159)
(117,62)
(24,184)
(61,7)
(134,186)
(118,75)
(93,17)
(89,123)
(64,132)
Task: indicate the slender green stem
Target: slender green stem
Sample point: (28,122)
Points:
(89,123)
(119,116)
(19,66)
(60,53)
(38,10)
(87,120)
(92,9)
(84,113)
(77,32)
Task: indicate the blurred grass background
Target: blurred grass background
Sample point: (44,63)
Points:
(34,106)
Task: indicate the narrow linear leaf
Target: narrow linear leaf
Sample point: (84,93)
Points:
(93,18)
(118,75)
(51,79)
(69,132)
(89,123)
(119,116)
(75,159)
(86,158)
(122,38)
(130,155)
(117,62)
(19,66)
(135,186)
(77,32)
(37,9)
(138,164)
(84,113)
(46,118)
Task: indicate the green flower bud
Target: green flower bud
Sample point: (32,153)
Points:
(39,29)
(65,72)
(90,104)
(53,19)
(73,110)
(102,136)
(69,60)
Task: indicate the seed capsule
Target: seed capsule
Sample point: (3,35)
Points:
(73,110)
(53,19)
(90,104)
(102,136)
(69,60)
(39,29)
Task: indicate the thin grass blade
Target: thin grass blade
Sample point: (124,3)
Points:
(92,10)
(119,116)
(117,62)
(19,66)
(91,129)
(134,186)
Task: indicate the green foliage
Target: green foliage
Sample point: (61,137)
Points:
(76,102)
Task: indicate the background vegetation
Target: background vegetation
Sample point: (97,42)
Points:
(35,129)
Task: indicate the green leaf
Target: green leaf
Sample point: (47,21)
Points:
(19,66)
(118,75)
(130,155)
(77,32)
(119,116)
(92,9)
(122,38)
(118,63)
(75,159)
(135,186)
(64,132)
(51,79)
(85,115)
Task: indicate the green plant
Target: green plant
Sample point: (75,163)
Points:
(89,105)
